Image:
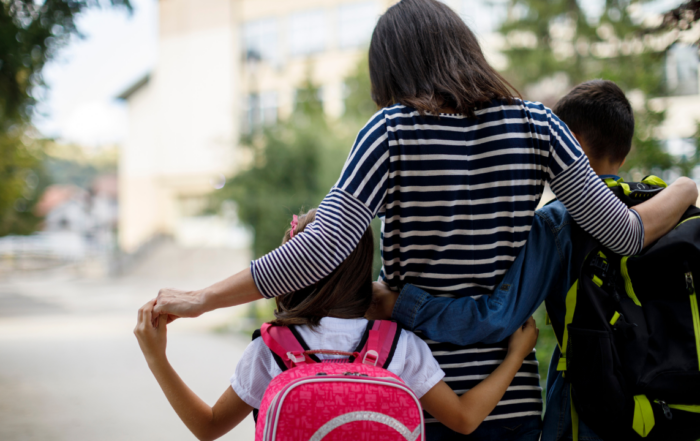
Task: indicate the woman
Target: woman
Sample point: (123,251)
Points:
(455,165)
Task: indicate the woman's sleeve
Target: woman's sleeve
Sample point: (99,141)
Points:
(586,197)
(341,219)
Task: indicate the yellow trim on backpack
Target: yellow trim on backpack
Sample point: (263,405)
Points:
(643,420)
(686,407)
(654,180)
(597,281)
(610,182)
(628,282)
(690,218)
(615,318)
(568,318)
(574,417)
(695,310)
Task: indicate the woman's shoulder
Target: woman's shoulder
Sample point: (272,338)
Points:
(512,104)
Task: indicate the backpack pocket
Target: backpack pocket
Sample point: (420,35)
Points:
(593,369)
(672,367)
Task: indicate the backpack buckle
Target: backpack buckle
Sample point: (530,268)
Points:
(599,263)
(371,357)
(296,357)
(689,285)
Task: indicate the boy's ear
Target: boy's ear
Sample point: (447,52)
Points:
(623,161)
(576,136)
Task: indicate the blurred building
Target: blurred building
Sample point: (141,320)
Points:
(226,67)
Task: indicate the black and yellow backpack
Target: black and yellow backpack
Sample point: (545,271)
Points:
(631,337)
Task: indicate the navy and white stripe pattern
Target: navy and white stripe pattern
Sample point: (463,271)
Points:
(466,367)
(457,197)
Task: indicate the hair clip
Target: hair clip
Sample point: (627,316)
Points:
(293,223)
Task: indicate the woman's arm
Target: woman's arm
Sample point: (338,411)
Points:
(235,290)
(662,213)
(341,220)
(205,422)
(465,413)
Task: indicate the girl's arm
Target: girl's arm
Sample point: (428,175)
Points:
(205,422)
(465,413)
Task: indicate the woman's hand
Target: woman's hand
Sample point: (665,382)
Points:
(177,303)
(383,301)
(151,333)
(523,340)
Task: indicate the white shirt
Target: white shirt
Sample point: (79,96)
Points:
(412,360)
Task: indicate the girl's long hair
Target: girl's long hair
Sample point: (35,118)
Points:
(423,55)
(344,293)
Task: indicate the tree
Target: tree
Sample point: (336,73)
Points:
(548,39)
(31,32)
(295,163)
(293,166)
(681,19)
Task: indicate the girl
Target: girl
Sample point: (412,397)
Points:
(455,164)
(328,315)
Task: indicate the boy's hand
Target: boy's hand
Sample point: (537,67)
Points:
(383,301)
(151,333)
(523,340)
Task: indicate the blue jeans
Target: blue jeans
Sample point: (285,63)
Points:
(517,429)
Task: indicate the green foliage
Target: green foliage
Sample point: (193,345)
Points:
(294,164)
(545,38)
(71,165)
(22,179)
(30,34)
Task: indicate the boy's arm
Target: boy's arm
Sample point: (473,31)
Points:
(205,422)
(465,413)
(490,318)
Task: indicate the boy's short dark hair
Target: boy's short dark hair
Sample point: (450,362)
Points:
(601,116)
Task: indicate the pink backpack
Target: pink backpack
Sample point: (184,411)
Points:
(342,399)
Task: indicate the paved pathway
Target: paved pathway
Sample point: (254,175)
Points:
(70,367)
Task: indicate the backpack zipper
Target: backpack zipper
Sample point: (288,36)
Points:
(695,310)
(269,434)
(693,408)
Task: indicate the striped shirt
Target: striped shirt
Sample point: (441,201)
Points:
(457,197)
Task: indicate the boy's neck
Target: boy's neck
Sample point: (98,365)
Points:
(604,167)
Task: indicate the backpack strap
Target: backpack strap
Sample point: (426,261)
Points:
(285,345)
(379,343)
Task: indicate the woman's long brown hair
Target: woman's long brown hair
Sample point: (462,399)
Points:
(344,293)
(423,55)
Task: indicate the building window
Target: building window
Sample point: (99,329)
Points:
(483,16)
(308,32)
(260,41)
(262,111)
(682,70)
(357,21)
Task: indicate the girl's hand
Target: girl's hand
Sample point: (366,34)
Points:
(523,340)
(151,333)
